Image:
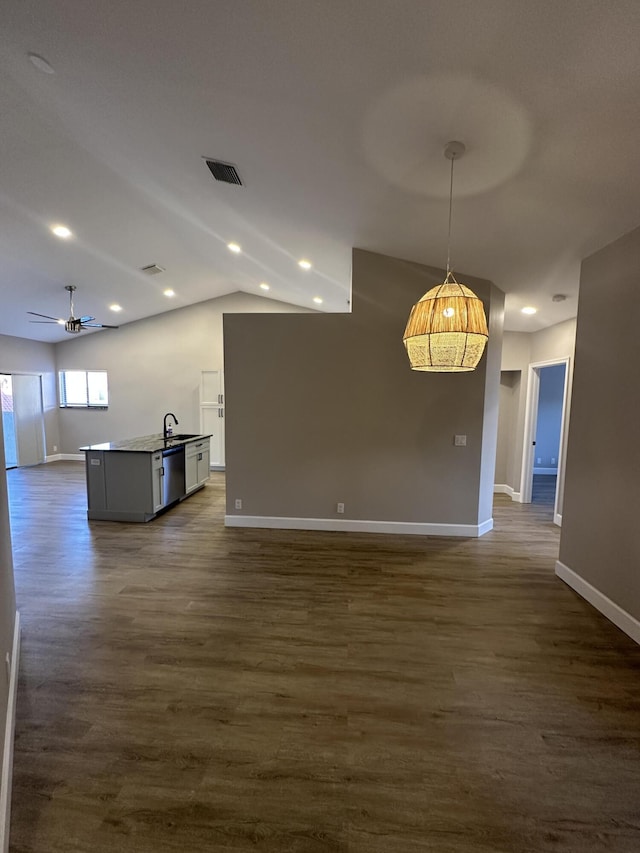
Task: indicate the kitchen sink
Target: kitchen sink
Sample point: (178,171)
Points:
(182,436)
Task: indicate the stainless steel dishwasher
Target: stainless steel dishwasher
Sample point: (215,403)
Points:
(173,479)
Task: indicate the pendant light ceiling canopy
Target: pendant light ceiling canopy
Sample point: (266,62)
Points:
(447,328)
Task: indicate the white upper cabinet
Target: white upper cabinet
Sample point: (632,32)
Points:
(212,413)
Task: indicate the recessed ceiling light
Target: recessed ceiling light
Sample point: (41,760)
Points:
(169,292)
(40,63)
(306,265)
(529,309)
(61,231)
(317,300)
(264,285)
(234,247)
(115,307)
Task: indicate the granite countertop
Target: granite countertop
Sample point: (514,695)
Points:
(145,443)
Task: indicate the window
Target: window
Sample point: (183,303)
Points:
(84,389)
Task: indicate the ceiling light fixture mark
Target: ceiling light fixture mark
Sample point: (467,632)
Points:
(115,307)
(40,63)
(529,309)
(265,286)
(304,264)
(318,300)
(169,292)
(234,247)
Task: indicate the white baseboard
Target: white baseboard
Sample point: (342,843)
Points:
(537,470)
(7,753)
(503,489)
(557,519)
(65,457)
(625,621)
(357,526)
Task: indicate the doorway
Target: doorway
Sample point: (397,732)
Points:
(22,419)
(542,479)
(8,422)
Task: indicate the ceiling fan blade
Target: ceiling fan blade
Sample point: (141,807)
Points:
(48,317)
(98,326)
(45,321)
(86,319)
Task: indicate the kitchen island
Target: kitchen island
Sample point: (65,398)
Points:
(135,479)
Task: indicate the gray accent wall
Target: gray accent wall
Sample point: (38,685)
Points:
(153,367)
(600,535)
(507,427)
(325,409)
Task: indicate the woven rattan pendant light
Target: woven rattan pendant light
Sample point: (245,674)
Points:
(447,329)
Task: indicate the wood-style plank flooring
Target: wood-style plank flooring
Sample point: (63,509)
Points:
(184,687)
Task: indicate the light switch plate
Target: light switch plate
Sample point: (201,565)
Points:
(460,440)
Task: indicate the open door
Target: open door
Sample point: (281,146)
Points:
(531,419)
(8,424)
(28,419)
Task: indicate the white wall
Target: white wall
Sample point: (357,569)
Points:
(18,355)
(153,367)
(7,622)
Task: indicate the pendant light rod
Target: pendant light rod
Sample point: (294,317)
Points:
(453,151)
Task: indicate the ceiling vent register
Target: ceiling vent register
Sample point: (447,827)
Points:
(152,269)
(225,172)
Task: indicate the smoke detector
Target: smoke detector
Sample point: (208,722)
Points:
(558,297)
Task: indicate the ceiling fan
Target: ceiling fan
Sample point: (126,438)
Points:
(74,324)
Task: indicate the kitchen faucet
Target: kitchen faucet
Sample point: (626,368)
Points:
(166,429)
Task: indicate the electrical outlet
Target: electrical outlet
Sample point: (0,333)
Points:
(238,503)
(539,462)
(340,508)
(460,440)
(553,461)
(55,448)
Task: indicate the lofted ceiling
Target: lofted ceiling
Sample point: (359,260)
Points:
(336,114)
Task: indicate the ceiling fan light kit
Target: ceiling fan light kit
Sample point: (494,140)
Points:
(447,328)
(74,324)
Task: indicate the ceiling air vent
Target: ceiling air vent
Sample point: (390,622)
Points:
(225,172)
(152,269)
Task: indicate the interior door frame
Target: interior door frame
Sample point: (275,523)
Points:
(530,422)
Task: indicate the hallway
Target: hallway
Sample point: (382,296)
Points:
(186,687)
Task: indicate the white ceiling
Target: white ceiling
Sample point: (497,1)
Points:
(336,113)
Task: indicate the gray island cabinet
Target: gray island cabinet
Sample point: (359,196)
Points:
(134,479)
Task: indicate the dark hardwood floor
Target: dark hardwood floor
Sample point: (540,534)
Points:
(543,492)
(186,687)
